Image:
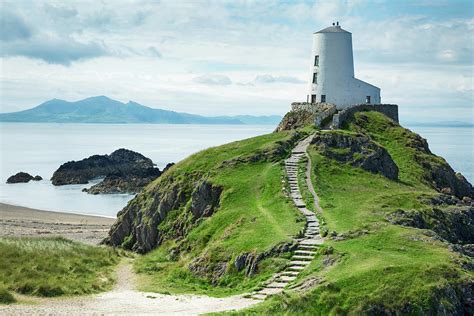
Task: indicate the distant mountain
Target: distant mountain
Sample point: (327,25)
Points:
(102,109)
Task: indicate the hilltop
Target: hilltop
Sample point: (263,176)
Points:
(102,109)
(397,222)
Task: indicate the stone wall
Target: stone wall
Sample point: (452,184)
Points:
(338,120)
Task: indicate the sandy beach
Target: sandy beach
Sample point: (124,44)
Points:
(22,221)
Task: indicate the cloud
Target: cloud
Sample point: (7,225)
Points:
(13,27)
(154,52)
(213,80)
(53,50)
(263,79)
(60,11)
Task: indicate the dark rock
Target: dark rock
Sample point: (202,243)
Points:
(452,223)
(138,221)
(249,261)
(123,183)
(121,161)
(358,150)
(205,199)
(125,171)
(23,177)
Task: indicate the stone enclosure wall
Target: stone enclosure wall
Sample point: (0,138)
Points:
(338,120)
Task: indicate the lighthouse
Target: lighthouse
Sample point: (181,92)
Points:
(332,71)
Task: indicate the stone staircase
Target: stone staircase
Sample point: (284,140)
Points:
(308,244)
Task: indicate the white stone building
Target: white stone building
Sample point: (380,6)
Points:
(332,71)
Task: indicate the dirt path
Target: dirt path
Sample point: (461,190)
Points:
(125,300)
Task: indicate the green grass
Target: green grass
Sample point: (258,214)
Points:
(254,216)
(379,267)
(53,267)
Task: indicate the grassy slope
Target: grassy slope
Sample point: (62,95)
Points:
(382,264)
(254,216)
(53,267)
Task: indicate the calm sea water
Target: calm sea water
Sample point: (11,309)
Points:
(42,148)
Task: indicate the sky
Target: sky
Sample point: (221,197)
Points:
(234,57)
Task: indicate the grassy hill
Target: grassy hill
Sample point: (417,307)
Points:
(369,265)
(392,245)
(252,222)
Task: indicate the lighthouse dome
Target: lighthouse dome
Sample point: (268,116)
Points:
(333,29)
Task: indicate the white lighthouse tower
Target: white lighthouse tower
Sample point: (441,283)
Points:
(332,71)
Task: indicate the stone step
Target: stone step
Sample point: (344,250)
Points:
(259,296)
(304,252)
(296,268)
(307,247)
(287,278)
(270,291)
(290,273)
(300,257)
(278,285)
(299,263)
(311,242)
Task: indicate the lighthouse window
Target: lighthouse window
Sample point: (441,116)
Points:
(323,98)
(367,99)
(315,78)
(316,60)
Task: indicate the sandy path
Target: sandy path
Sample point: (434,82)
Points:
(125,300)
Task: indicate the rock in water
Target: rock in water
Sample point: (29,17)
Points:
(123,183)
(121,161)
(23,177)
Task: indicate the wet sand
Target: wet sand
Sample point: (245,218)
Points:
(18,221)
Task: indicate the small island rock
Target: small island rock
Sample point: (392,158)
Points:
(23,177)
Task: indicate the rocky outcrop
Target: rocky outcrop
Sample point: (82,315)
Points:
(123,183)
(357,150)
(436,172)
(304,114)
(23,177)
(249,261)
(454,298)
(137,225)
(121,161)
(450,218)
(125,171)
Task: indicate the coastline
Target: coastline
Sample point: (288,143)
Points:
(19,221)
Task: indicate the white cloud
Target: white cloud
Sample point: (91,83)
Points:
(219,80)
(263,79)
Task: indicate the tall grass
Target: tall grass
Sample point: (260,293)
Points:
(54,266)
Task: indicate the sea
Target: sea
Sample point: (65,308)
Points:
(40,148)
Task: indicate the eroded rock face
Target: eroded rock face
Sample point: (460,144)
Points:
(304,114)
(357,150)
(137,225)
(23,177)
